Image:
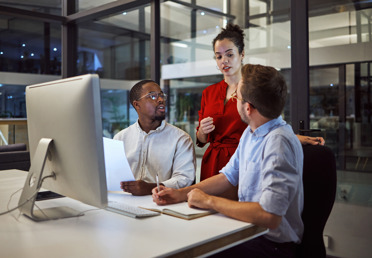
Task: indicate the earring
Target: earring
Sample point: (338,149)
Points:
(217,68)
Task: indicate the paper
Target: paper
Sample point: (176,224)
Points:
(116,163)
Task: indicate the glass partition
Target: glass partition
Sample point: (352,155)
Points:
(41,6)
(117,48)
(340,107)
(340,90)
(28,46)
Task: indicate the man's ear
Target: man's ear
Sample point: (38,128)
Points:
(249,108)
(136,104)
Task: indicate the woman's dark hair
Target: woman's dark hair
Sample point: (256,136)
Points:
(233,33)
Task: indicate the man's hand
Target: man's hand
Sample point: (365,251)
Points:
(199,199)
(167,195)
(138,187)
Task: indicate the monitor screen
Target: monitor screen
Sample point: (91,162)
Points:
(65,141)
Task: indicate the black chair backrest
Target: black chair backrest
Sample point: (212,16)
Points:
(319,179)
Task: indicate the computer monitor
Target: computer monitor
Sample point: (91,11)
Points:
(66,145)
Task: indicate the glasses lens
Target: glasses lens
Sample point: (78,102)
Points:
(163,96)
(153,95)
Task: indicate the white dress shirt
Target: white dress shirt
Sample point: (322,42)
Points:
(167,151)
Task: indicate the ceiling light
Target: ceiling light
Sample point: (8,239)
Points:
(177,44)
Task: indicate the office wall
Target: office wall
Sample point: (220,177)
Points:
(349,231)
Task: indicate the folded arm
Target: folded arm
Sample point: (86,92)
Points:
(245,211)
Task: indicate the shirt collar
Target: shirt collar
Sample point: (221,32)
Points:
(264,129)
(159,128)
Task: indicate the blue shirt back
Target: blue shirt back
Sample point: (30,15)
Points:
(268,165)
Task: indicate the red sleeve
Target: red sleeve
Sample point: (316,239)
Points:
(201,116)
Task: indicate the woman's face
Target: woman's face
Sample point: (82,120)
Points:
(227,56)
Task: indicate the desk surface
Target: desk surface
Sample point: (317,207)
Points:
(101,233)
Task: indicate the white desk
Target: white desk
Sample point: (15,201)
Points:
(101,233)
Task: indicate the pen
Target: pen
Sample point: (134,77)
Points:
(157,183)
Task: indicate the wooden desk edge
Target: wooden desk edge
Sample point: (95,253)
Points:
(13,121)
(221,243)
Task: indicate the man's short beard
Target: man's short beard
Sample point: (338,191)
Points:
(160,118)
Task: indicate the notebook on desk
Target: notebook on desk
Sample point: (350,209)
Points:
(179,210)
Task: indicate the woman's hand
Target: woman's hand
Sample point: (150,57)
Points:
(311,140)
(206,125)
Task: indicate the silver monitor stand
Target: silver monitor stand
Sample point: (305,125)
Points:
(33,184)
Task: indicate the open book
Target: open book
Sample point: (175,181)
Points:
(179,210)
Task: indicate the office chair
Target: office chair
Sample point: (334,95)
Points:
(319,180)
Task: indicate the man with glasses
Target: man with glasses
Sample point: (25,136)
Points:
(153,147)
(267,167)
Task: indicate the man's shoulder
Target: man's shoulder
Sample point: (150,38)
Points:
(175,131)
(126,131)
(283,134)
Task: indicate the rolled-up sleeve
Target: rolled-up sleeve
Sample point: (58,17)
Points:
(280,176)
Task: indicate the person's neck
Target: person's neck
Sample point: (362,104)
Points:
(258,121)
(148,125)
(233,81)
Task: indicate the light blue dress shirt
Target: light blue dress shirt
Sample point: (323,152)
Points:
(268,165)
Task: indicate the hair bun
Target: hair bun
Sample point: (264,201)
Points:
(234,28)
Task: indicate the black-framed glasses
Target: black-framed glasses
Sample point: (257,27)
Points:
(155,95)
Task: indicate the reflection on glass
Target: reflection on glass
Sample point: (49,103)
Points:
(117,112)
(28,46)
(89,4)
(340,92)
(49,7)
(115,47)
(13,102)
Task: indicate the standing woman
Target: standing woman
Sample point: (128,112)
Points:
(219,120)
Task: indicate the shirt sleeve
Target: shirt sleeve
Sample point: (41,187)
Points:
(281,175)
(201,116)
(184,164)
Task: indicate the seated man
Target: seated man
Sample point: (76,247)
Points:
(154,147)
(267,167)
